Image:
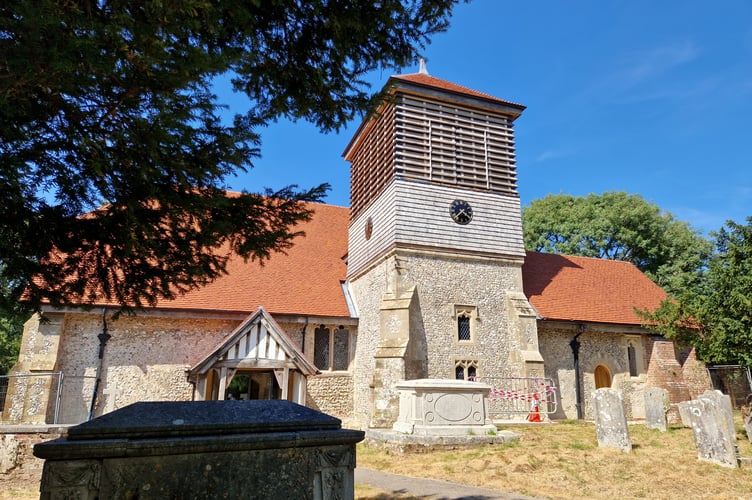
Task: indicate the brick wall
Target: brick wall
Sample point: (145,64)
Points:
(19,468)
(665,371)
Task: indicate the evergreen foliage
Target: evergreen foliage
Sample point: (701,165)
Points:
(716,316)
(113,154)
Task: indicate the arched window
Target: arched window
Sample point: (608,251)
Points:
(602,377)
(464,316)
(465,369)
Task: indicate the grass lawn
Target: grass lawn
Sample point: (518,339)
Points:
(563,461)
(559,461)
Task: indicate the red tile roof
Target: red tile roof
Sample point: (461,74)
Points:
(568,288)
(305,281)
(426,80)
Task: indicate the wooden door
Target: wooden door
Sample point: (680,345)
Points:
(602,377)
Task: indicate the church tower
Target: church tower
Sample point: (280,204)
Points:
(435,243)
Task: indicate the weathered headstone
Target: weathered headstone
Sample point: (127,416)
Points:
(747,416)
(685,413)
(723,402)
(711,431)
(656,408)
(611,420)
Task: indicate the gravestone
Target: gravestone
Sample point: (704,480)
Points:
(685,414)
(656,408)
(723,402)
(611,420)
(710,427)
(203,449)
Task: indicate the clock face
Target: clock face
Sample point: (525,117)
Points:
(461,212)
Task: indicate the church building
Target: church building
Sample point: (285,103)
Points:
(425,275)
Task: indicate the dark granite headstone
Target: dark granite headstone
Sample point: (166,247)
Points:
(203,449)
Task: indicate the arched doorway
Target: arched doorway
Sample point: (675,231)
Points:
(602,377)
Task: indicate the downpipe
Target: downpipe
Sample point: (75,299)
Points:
(103,338)
(575,345)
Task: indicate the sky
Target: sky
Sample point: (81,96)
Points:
(648,97)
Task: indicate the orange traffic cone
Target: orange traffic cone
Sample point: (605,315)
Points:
(534,410)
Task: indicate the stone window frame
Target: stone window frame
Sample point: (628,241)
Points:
(635,365)
(469,369)
(471,314)
(334,335)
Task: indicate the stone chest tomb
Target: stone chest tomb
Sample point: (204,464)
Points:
(203,449)
(443,407)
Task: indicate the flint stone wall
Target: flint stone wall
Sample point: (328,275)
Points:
(331,394)
(145,359)
(441,283)
(606,347)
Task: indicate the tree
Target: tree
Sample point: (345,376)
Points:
(716,316)
(618,226)
(113,152)
(11,329)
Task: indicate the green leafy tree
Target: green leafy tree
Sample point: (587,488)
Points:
(618,226)
(11,328)
(113,151)
(716,316)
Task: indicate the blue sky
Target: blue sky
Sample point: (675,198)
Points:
(647,97)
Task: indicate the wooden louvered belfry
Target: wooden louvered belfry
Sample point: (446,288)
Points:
(430,130)
(432,142)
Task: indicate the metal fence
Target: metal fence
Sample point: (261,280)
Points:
(734,380)
(511,397)
(23,393)
(64,399)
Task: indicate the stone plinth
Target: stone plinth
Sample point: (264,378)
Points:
(437,407)
(203,449)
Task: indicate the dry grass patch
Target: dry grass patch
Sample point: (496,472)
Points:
(366,492)
(563,460)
